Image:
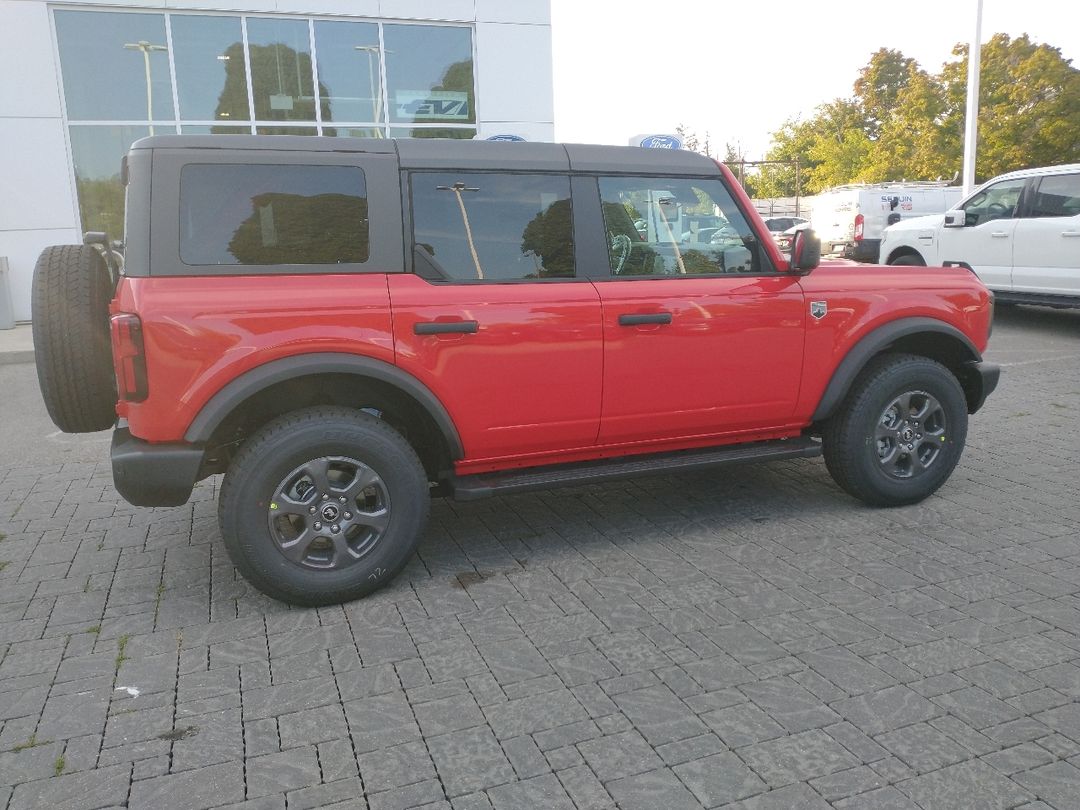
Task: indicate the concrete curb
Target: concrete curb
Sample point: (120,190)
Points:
(12,358)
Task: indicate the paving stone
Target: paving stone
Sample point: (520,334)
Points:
(1065,720)
(191,790)
(793,797)
(719,779)
(789,704)
(647,791)
(469,761)
(381,721)
(887,709)
(797,758)
(923,747)
(279,773)
(743,724)
(584,789)
(968,785)
(540,791)
(886,798)
(976,707)
(619,755)
(532,714)
(659,715)
(1023,757)
(1058,783)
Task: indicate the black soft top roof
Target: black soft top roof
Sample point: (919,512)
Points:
(434,153)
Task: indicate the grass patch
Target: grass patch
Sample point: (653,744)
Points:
(33,742)
(95,629)
(3,564)
(121,646)
(58,768)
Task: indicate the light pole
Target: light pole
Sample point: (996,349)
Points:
(376,94)
(457,188)
(145,47)
(971,123)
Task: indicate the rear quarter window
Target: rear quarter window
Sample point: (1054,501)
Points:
(262,214)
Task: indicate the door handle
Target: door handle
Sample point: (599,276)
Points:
(645,318)
(445,327)
(1070,233)
(999,235)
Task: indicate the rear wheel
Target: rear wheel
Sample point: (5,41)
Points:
(900,432)
(323,505)
(909,259)
(69,306)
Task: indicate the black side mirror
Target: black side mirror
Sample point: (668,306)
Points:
(805,251)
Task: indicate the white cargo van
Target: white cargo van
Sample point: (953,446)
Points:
(850,219)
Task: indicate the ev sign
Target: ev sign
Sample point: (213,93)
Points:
(508,138)
(657,141)
(439,105)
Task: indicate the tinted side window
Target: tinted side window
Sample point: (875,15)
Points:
(996,202)
(492,227)
(1058,196)
(660,226)
(266,215)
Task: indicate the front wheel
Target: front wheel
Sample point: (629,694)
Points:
(899,433)
(909,260)
(323,505)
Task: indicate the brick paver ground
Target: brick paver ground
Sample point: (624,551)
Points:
(749,638)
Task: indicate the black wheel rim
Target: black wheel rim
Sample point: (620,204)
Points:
(329,513)
(910,435)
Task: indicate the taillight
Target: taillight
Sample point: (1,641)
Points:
(858,227)
(129,357)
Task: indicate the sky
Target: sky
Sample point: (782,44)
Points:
(738,69)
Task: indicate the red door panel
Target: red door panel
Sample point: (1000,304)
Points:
(729,360)
(528,380)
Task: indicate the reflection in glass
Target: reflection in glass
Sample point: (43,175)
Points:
(432,132)
(281,77)
(429,74)
(211,81)
(286,131)
(493,227)
(114,66)
(97,151)
(348,62)
(354,132)
(267,215)
(669,226)
(215,129)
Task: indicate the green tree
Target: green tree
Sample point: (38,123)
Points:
(879,85)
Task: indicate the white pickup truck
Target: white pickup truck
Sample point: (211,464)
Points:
(1020,233)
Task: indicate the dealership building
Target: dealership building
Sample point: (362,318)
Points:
(79,82)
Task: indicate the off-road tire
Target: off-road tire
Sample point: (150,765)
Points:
(851,449)
(909,260)
(251,490)
(69,304)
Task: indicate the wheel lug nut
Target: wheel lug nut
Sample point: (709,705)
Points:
(347,515)
(311,509)
(335,529)
(326,497)
(341,499)
(317,525)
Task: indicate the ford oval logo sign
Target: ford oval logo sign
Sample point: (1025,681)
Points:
(512,138)
(661,142)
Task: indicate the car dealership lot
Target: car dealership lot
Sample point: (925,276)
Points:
(744,634)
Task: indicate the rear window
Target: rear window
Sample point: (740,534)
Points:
(254,214)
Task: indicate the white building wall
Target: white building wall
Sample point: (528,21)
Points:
(38,207)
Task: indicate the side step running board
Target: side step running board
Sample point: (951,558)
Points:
(474,487)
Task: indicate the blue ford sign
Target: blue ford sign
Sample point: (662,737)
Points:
(505,138)
(660,142)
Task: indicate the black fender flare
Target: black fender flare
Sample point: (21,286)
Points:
(872,344)
(219,406)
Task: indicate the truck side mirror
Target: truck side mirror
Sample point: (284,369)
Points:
(805,251)
(955,219)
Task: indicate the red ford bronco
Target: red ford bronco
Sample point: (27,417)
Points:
(345,327)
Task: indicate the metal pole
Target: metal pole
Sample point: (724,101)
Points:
(798,186)
(971,124)
(149,90)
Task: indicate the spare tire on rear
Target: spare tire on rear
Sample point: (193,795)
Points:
(70,310)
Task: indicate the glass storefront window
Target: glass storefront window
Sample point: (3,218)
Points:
(281,79)
(374,79)
(115,66)
(211,81)
(97,152)
(429,74)
(348,63)
(432,132)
